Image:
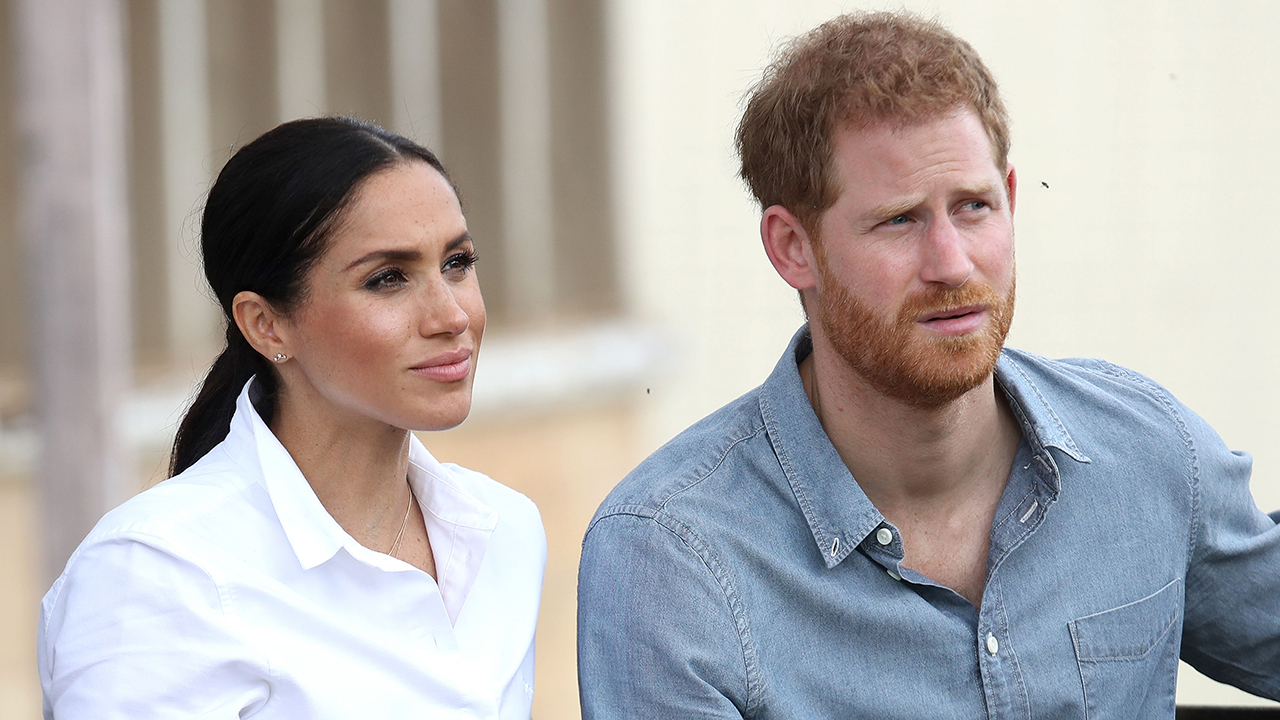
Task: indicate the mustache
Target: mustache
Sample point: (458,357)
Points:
(938,299)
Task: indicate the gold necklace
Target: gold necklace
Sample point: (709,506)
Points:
(403,523)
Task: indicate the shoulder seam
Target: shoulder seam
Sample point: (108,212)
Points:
(1161,396)
(742,626)
(715,466)
(649,510)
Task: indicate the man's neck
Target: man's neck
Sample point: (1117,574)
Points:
(909,457)
(937,474)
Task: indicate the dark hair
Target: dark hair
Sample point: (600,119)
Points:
(268,219)
(853,71)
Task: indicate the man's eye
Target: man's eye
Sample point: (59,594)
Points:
(975,205)
(899,220)
(385,279)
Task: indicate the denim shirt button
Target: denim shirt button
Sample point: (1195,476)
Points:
(884,536)
(993,645)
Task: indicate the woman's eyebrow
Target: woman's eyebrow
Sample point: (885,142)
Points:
(463,238)
(405,255)
(380,255)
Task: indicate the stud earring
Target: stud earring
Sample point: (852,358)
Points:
(280,357)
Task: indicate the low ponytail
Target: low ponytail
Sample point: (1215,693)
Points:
(267,220)
(208,420)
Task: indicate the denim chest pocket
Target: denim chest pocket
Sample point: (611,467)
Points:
(1128,656)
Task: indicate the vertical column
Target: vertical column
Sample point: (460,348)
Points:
(75,224)
(186,166)
(415,70)
(524,82)
(300,71)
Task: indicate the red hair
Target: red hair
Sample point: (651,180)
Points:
(853,71)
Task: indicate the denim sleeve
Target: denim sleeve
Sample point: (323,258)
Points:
(657,636)
(1231,631)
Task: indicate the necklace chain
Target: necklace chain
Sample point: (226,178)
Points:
(395,546)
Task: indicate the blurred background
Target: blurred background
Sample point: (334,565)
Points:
(627,291)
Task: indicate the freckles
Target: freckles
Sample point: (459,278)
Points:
(359,334)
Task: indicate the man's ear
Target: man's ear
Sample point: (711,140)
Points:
(1011,183)
(789,247)
(260,324)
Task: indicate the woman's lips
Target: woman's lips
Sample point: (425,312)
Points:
(446,367)
(956,321)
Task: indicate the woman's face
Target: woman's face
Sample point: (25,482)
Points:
(392,320)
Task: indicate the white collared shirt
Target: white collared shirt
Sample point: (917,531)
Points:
(229,592)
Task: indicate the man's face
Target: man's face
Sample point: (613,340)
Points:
(915,259)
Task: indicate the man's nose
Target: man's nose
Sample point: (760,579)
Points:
(945,255)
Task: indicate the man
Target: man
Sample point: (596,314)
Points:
(905,519)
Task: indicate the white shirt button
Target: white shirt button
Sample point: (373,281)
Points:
(884,536)
(993,645)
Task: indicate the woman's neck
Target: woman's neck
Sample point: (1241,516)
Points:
(357,466)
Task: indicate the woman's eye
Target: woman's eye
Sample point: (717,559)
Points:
(461,262)
(384,279)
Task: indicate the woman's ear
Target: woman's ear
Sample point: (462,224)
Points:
(260,324)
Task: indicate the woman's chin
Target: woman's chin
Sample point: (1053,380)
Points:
(442,418)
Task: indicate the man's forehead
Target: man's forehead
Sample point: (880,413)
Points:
(894,148)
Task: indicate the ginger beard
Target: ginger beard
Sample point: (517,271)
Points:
(900,359)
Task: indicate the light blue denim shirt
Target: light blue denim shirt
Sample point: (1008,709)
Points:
(741,572)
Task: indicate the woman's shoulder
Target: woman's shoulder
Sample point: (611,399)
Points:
(185,515)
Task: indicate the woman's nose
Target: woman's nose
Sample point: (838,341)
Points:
(442,314)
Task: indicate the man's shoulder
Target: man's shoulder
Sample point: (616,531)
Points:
(683,464)
(1078,379)
(1095,401)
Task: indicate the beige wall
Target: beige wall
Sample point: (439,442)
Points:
(1153,125)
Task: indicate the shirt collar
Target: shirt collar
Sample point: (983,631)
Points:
(462,522)
(312,532)
(1041,427)
(460,525)
(839,514)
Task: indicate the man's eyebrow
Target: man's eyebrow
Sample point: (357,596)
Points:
(405,255)
(893,209)
(981,189)
(902,207)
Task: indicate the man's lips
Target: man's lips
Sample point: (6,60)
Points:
(954,321)
(450,366)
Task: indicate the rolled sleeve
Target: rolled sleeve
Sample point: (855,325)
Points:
(658,633)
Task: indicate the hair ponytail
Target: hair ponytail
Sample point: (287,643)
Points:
(208,420)
(267,220)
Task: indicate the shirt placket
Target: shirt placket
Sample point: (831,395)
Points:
(1002,680)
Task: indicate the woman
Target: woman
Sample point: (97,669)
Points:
(309,558)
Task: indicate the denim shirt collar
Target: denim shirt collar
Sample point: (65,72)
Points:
(839,514)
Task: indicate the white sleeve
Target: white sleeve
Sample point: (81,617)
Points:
(133,631)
